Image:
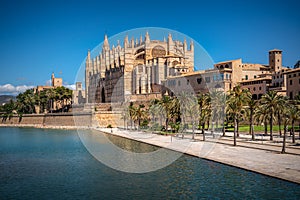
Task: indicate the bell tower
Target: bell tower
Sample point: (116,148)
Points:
(275,60)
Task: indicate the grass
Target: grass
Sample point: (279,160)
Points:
(245,128)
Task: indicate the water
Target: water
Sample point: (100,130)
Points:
(53,164)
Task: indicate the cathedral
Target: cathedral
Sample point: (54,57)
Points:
(135,70)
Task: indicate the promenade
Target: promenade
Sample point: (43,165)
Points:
(259,156)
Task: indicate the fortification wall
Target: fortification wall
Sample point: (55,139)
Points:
(61,119)
(105,118)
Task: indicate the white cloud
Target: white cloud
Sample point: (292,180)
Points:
(48,82)
(71,87)
(10,89)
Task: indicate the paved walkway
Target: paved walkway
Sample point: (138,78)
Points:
(263,158)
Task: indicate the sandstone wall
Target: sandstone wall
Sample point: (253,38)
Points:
(105,118)
(67,119)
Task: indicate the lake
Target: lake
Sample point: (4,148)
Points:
(54,164)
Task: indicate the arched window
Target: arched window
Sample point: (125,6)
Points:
(158,51)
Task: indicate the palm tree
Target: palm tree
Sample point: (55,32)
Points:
(132,114)
(156,109)
(184,100)
(174,112)
(204,111)
(192,111)
(138,114)
(51,94)
(286,121)
(232,109)
(294,114)
(218,101)
(239,96)
(252,106)
(262,115)
(235,102)
(271,101)
(8,109)
(26,102)
(166,103)
(280,109)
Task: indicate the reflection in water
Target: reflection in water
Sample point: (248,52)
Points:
(131,145)
(127,155)
(53,164)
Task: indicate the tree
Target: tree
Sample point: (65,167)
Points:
(280,109)
(270,101)
(235,103)
(137,114)
(204,111)
(192,111)
(7,109)
(218,101)
(51,94)
(251,108)
(166,103)
(26,102)
(156,109)
(294,114)
(262,115)
(286,121)
(184,99)
(232,109)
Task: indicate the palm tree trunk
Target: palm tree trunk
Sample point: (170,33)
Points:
(237,129)
(251,132)
(284,139)
(207,124)
(167,124)
(193,127)
(271,126)
(234,131)
(266,127)
(293,130)
(251,128)
(279,123)
(203,132)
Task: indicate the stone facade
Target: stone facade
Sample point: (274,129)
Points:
(137,68)
(78,94)
(146,69)
(293,82)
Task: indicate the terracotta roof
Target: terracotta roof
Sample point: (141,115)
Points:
(256,79)
(275,50)
(292,70)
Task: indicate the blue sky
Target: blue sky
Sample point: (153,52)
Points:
(41,37)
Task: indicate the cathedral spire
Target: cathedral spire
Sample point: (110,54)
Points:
(126,41)
(105,44)
(132,42)
(192,46)
(141,39)
(89,55)
(147,37)
(170,37)
(184,45)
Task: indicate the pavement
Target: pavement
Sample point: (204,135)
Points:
(262,156)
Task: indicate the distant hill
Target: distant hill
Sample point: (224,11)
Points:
(6,98)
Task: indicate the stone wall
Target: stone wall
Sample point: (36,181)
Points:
(105,118)
(65,119)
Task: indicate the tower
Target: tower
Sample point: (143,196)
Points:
(87,75)
(275,60)
(52,79)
